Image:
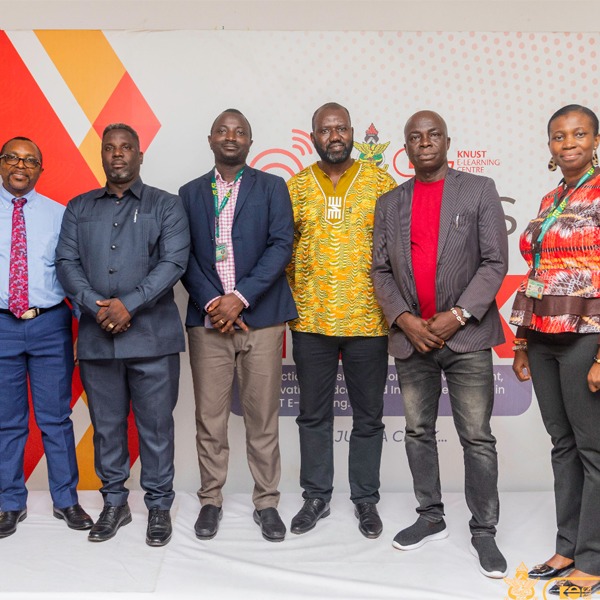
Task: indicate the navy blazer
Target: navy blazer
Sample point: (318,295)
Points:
(262,236)
(472,260)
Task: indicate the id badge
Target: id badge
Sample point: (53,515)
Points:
(535,289)
(221,253)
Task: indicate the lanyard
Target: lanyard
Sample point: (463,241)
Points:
(220,206)
(557,210)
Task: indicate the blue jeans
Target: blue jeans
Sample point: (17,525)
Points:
(470,382)
(365,363)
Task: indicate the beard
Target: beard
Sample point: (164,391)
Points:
(120,176)
(335,157)
(128,172)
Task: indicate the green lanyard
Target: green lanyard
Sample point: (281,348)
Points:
(558,210)
(219,207)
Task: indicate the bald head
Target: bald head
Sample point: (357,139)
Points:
(428,115)
(329,107)
(426,142)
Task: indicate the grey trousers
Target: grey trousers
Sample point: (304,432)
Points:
(470,382)
(150,386)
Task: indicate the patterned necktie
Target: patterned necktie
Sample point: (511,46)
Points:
(18,285)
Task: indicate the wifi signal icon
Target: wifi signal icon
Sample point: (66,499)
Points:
(302,138)
(284,162)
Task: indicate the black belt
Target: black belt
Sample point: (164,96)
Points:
(30,313)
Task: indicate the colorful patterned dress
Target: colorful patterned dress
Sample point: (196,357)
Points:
(569,265)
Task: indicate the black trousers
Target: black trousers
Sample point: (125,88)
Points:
(365,364)
(571,414)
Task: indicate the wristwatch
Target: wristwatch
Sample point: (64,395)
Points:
(466,314)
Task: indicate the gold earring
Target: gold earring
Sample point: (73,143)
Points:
(595,159)
(551,165)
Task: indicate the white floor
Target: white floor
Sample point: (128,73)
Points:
(45,559)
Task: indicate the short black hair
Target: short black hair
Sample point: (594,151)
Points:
(236,112)
(565,110)
(329,105)
(125,127)
(20,138)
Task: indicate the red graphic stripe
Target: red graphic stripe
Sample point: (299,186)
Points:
(26,112)
(507,289)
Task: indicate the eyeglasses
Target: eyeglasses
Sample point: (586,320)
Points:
(29,161)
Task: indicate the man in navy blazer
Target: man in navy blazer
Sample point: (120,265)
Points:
(242,231)
(440,254)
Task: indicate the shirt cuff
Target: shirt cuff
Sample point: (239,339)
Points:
(210,302)
(244,301)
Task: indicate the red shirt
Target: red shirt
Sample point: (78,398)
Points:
(424,234)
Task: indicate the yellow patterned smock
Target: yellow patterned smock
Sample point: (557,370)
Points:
(331,260)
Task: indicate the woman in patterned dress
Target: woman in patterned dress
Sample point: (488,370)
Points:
(557,311)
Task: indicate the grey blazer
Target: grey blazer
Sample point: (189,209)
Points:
(472,260)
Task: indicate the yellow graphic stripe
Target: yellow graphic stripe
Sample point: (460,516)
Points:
(88,480)
(87,63)
(90,150)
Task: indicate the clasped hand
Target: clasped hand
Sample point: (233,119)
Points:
(113,316)
(431,334)
(224,313)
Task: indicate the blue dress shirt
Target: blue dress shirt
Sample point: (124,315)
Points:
(43,218)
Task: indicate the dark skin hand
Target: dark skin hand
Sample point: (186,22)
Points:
(444,324)
(520,368)
(520,365)
(113,316)
(418,332)
(224,313)
(593,377)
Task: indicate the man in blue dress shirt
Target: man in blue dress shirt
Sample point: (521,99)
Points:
(35,342)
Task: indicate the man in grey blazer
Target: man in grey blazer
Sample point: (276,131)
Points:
(121,250)
(440,254)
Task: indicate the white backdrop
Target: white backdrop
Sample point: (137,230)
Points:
(496,92)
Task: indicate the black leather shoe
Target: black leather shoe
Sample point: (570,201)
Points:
(544,571)
(108,523)
(159,530)
(369,522)
(564,588)
(207,524)
(9,521)
(74,516)
(307,517)
(271,525)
